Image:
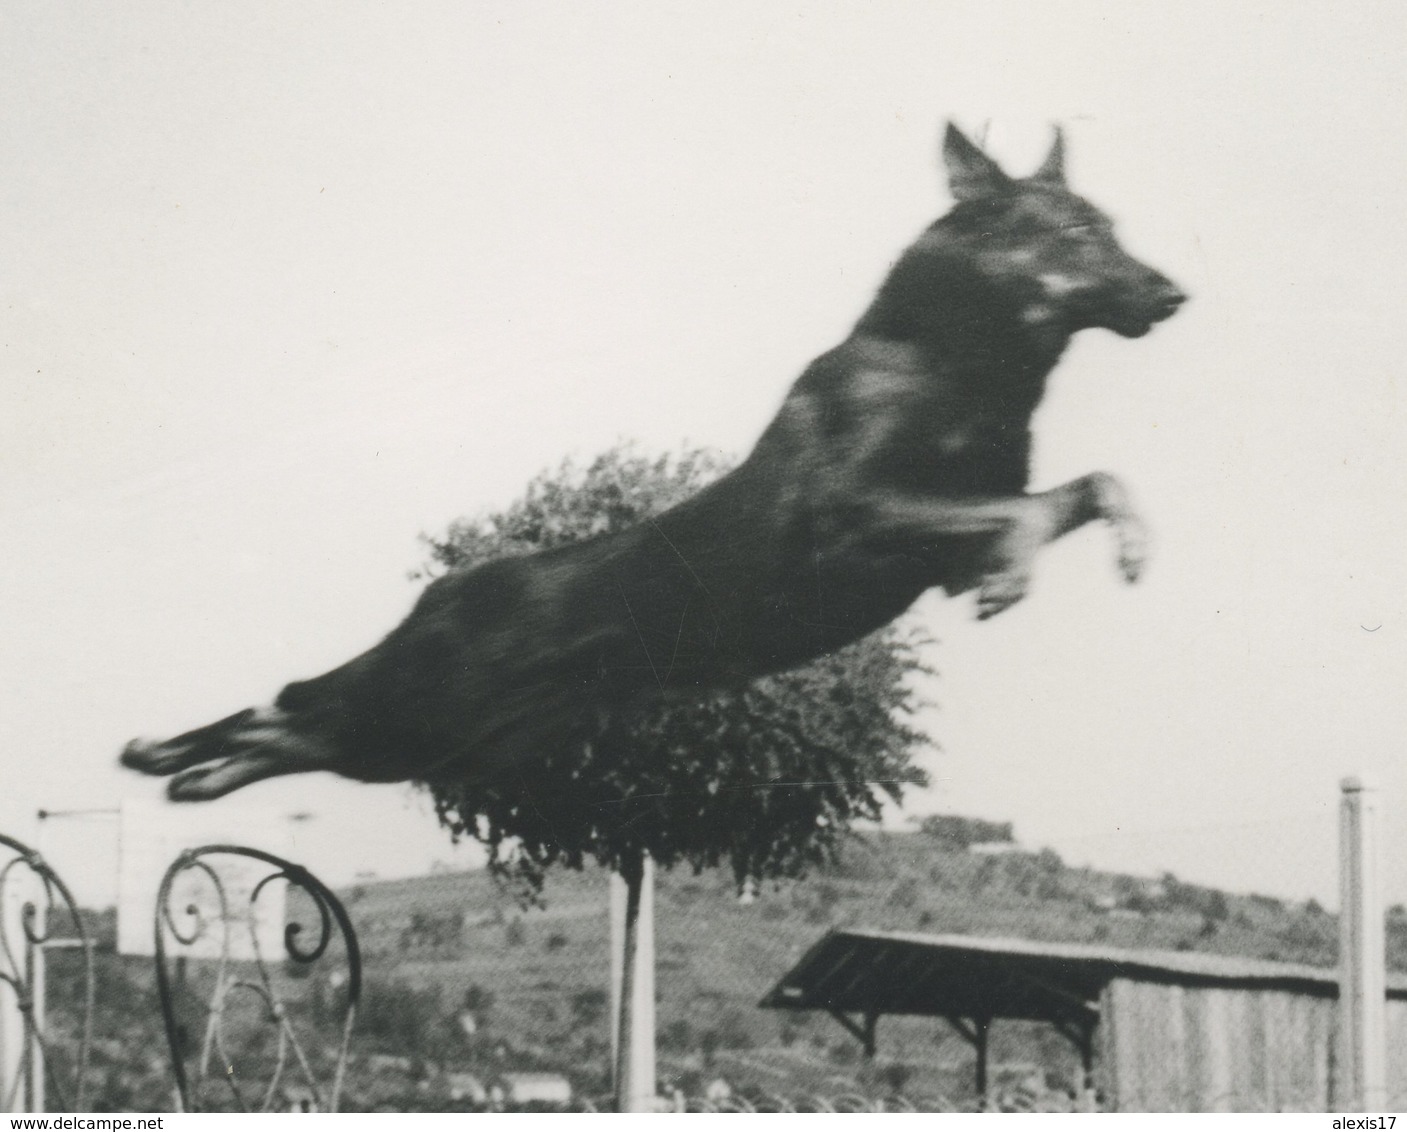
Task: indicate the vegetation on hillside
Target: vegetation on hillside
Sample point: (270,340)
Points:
(460,979)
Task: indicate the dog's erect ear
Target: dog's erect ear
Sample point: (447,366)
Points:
(971,173)
(1052,170)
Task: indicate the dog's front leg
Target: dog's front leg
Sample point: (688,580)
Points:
(1017,527)
(1048,515)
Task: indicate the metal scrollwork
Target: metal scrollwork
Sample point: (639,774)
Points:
(21,964)
(245,972)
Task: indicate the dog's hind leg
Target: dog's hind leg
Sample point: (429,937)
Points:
(213,779)
(167,756)
(210,761)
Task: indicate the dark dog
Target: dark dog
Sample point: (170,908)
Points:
(899,461)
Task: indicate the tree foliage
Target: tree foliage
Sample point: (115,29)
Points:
(766,777)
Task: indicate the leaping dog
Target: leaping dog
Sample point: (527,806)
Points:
(898,462)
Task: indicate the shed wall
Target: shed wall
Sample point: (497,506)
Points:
(1170,1048)
(1397,1054)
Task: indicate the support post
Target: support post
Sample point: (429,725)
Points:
(633,989)
(1087,1099)
(981,1026)
(1080,1034)
(1362,953)
(976,1036)
(863,1031)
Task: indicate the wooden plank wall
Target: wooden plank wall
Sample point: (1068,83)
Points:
(1169,1048)
(1396,1054)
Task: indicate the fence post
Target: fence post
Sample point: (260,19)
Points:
(1362,953)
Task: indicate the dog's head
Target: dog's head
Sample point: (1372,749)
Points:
(1052,250)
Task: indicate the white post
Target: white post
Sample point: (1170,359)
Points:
(617,914)
(638,1063)
(1362,953)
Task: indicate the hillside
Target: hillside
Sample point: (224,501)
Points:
(536,979)
(460,977)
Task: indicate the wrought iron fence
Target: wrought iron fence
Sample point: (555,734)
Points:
(28,891)
(239,968)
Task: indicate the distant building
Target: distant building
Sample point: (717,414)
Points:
(963,832)
(1155,1031)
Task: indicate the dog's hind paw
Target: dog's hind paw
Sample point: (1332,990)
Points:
(1000,591)
(153,756)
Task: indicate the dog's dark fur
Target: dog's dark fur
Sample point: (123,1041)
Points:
(898,462)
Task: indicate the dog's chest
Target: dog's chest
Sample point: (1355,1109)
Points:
(950,445)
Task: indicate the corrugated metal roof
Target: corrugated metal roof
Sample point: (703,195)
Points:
(866,971)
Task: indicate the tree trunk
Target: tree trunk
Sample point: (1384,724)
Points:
(635,1020)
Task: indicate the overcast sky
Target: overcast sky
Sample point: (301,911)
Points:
(286,284)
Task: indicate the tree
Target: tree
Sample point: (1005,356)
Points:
(767,777)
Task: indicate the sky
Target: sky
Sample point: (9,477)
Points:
(285,286)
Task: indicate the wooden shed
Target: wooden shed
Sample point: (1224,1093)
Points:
(1158,1031)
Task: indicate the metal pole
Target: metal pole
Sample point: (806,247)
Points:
(1363,976)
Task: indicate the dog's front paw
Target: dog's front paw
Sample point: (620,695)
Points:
(1132,535)
(1113,505)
